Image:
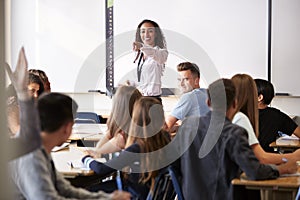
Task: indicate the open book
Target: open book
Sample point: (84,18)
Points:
(77,164)
(61,147)
(287,140)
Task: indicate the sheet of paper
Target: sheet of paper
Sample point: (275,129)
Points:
(287,140)
(63,146)
(79,165)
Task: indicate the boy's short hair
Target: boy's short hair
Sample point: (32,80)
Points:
(184,66)
(221,94)
(266,89)
(55,110)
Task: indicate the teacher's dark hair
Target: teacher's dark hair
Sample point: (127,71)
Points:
(160,40)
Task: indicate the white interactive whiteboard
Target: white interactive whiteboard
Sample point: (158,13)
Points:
(66,38)
(285,65)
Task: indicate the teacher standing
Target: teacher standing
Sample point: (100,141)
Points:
(152,54)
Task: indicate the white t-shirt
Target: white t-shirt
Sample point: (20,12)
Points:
(242,120)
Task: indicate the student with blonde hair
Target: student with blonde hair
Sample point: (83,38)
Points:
(119,121)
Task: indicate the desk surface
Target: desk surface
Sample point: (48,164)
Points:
(289,144)
(62,157)
(282,182)
(90,132)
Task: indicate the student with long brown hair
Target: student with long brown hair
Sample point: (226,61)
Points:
(119,121)
(146,135)
(247,117)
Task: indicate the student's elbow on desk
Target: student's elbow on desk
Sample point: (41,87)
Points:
(262,173)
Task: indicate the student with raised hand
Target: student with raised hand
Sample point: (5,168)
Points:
(247,117)
(34,175)
(27,138)
(193,100)
(271,120)
(35,85)
(146,135)
(152,54)
(35,88)
(118,122)
(217,150)
(43,76)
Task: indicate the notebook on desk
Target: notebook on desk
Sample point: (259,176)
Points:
(287,140)
(77,164)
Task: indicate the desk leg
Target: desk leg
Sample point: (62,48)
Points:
(264,194)
(277,195)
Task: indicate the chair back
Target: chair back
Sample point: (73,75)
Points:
(163,188)
(176,184)
(298,194)
(87,117)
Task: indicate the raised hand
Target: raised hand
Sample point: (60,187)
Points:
(19,77)
(136,46)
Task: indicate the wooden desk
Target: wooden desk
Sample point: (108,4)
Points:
(281,188)
(88,134)
(290,146)
(77,177)
(62,157)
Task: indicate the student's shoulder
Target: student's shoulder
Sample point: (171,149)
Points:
(186,97)
(194,93)
(234,130)
(274,112)
(135,148)
(239,116)
(202,91)
(30,159)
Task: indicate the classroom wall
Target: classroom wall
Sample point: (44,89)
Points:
(101,104)
(66,39)
(289,105)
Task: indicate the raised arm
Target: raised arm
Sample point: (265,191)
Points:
(28,138)
(159,55)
